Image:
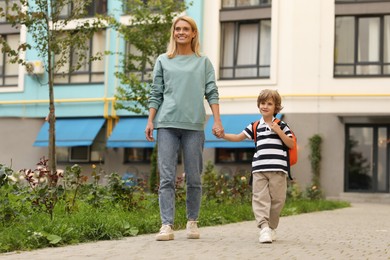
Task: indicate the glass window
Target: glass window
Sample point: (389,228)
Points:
(234,155)
(79,154)
(78,8)
(89,71)
(361,47)
(245,3)
(134,64)
(245,49)
(141,155)
(9,71)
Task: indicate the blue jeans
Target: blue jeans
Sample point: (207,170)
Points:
(168,144)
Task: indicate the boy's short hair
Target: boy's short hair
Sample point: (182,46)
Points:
(267,94)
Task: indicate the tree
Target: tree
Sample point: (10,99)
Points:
(57,33)
(146,34)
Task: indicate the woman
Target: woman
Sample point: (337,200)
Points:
(182,79)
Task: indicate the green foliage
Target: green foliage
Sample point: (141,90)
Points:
(124,192)
(121,208)
(223,188)
(293,191)
(147,36)
(43,190)
(73,181)
(313,191)
(5,173)
(95,190)
(315,158)
(109,223)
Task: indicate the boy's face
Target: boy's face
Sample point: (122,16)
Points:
(267,108)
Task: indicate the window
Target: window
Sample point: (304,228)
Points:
(245,42)
(140,155)
(9,71)
(234,155)
(245,3)
(10,35)
(245,49)
(90,71)
(78,154)
(133,64)
(362,41)
(130,5)
(6,7)
(92,9)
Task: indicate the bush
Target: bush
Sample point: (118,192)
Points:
(119,209)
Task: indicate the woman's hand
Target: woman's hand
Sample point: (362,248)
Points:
(149,132)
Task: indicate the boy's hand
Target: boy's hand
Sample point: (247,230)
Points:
(275,127)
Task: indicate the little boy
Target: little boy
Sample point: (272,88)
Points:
(269,165)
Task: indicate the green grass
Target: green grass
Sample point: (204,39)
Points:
(110,222)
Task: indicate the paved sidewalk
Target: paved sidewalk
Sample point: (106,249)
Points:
(359,232)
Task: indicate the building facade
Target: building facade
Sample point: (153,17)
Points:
(329,59)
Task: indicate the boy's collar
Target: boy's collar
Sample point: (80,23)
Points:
(262,122)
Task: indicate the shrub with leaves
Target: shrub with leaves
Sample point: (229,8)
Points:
(294,192)
(240,188)
(313,192)
(126,193)
(95,191)
(5,173)
(72,183)
(44,191)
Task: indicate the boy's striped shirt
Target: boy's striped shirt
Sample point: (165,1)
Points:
(270,153)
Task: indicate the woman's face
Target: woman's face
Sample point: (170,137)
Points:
(183,33)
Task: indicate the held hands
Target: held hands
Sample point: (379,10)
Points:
(218,130)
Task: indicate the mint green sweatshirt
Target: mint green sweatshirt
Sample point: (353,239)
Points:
(179,88)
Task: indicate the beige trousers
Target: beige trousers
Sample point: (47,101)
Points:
(269,195)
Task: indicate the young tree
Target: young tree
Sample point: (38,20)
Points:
(57,33)
(146,34)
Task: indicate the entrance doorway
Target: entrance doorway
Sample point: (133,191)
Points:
(367,158)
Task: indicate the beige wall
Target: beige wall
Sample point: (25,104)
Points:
(17,138)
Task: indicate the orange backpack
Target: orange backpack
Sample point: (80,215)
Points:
(292,153)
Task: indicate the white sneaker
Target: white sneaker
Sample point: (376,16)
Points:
(192,230)
(273,234)
(265,235)
(166,233)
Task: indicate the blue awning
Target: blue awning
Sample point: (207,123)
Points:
(71,132)
(130,132)
(232,124)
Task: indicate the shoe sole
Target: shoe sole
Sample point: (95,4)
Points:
(165,238)
(265,240)
(193,236)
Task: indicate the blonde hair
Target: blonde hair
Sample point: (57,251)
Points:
(195,46)
(267,94)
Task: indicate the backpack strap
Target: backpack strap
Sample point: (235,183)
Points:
(279,122)
(254,130)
